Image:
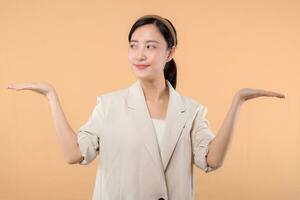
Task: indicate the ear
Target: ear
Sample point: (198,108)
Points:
(171,53)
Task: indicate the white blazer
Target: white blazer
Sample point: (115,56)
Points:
(131,164)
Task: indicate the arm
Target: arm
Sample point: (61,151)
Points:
(218,147)
(67,137)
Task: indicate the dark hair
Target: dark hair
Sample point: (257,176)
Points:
(170,70)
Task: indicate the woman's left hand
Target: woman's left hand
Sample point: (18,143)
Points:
(245,94)
(219,145)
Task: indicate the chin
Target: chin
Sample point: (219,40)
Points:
(142,76)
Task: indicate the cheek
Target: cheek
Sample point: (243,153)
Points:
(160,60)
(130,55)
(156,57)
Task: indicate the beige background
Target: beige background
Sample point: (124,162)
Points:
(81,48)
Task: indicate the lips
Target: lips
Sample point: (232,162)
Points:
(141,66)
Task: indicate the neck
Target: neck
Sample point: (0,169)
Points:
(155,90)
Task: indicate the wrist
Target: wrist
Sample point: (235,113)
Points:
(51,95)
(238,99)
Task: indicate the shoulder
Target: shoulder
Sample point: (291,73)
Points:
(192,103)
(112,95)
(111,98)
(194,107)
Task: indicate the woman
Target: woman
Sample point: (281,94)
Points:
(148,135)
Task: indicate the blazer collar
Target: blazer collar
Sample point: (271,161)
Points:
(174,123)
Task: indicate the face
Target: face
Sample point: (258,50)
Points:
(148,53)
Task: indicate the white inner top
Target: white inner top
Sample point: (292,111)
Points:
(159,125)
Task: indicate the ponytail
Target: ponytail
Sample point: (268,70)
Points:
(170,72)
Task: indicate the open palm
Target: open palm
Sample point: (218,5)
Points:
(248,93)
(42,88)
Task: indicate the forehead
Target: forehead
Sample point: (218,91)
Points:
(147,32)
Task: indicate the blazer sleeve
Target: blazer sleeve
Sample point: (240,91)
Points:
(202,135)
(88,134)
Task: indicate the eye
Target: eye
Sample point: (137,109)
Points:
(132,45)
(152,46)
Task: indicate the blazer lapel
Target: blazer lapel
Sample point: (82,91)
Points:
(174,123)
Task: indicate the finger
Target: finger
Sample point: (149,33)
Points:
(16,86)
(12,86)
(21,86)
(270,94)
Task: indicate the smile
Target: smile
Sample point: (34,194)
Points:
(141,66)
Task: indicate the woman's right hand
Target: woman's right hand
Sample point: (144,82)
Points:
(42,88)
(66,135)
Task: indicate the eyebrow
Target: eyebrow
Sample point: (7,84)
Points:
(146,41)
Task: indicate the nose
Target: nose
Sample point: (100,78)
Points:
(140,55)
